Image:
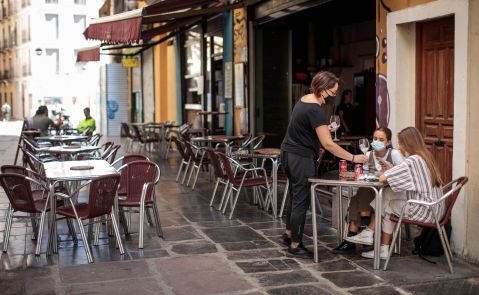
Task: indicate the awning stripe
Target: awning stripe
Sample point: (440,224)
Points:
(120,31)
(88,54)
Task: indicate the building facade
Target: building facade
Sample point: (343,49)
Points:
(39,59)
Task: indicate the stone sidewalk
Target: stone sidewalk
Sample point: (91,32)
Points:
(206,253)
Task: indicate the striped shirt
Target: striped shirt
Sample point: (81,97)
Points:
(414,177)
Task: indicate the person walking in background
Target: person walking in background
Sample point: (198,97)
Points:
(346,112)
(6,111)
(41,120)
(307,131)
(88,122)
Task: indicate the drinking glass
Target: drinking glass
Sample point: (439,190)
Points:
(364,145)
(335,122)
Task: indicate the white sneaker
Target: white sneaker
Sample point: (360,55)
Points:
(366,237)
(383,253)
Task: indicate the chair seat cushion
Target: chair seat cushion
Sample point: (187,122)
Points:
(82,211)
(130,203)
(395,218)
(40,205)
(255,181)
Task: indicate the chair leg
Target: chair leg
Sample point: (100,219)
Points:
(117,233)
(191,173)
(196,177)
(148,216)
(445,246)
(234,202)
(186,172)
(123,221)
(8,228)
(40,234)
(96,239)
(214,191)
(85,241)
(142,220)
(391,248)
(283,202)
(72,231)
(156,215)
(227,185)
(447,242)
(228,195)
(34,226)
(179,170)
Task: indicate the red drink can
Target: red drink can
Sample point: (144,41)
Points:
(343,166)
(358,170)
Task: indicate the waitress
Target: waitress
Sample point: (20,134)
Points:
(307,131)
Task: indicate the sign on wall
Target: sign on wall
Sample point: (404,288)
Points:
(240,31)
(130,62)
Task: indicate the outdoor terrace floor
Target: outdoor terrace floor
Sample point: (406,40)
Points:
(205,253)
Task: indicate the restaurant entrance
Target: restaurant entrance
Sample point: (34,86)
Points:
(293,44)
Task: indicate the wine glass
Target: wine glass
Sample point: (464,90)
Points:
(335,122)
(364,145)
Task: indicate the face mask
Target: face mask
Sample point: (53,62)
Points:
(378,145)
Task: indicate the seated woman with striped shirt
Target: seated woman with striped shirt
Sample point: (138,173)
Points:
(419,177)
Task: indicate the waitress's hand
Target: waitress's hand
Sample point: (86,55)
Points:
(360,159)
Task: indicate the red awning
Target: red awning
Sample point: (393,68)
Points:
(127,28)
(88,54)
(119,28)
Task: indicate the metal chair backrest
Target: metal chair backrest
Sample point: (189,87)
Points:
(255,142)
(189,151)
(19,192)
(106,148)
(227,167)
(14,169)
(181,148)
(216,163)
(125,160)
(111,155)
(454,188)
(102,195)
(139,173)
(95,139)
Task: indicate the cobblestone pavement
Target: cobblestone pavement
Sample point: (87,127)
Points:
(206,253)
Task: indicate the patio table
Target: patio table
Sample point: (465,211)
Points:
(70,150)
(58,171)
(227,140)
(338,182)
(272,154)
(62,139)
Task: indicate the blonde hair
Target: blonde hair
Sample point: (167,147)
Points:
(412,141)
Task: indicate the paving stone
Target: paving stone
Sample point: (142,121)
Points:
(284,264)
(200,275)
(98,272)
(273,232)
(302,290)
(256,266)
(377,291)
(279,279)
(182,233)
(248,245)
(232,234)
(124,287)
(267,225)
(254,254)
(77,255)
(334,265)
(468,286)
(414,270)
(157,253)
(11,262)
(194,248)
(222,223)
(351,279)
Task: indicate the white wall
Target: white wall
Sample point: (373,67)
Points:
(148,85)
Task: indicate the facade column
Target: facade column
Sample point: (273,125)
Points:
(228,66)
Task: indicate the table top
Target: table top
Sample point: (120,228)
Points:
(260,153)
(61,138)
(69,149)
(61,170)
(217,138)
(335,179)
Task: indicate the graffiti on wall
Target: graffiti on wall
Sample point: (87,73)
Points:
(383,7)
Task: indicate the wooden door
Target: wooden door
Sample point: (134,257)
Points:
(435,89)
